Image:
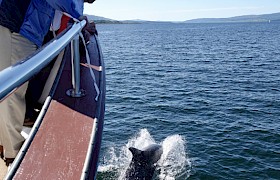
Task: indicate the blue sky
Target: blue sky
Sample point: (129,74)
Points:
(179,10)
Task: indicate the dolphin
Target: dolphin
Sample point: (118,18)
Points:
(143,163)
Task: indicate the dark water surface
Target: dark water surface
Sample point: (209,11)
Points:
(216,87)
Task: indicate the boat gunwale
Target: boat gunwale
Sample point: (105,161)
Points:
(99,120)
(35,128)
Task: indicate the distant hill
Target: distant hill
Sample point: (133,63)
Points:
(102,20)
(246,18)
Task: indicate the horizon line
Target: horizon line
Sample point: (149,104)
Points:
(186,19)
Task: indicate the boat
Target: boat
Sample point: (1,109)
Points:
(65,141)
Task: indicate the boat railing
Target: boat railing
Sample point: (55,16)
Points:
(14,76)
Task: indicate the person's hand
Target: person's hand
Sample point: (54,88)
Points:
(91,28)
(89,1)
(83,18)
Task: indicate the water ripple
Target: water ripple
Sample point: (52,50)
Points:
(216,85)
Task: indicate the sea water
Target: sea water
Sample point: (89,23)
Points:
(209,93)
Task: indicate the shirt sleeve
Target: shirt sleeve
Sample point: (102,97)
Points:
(73,7)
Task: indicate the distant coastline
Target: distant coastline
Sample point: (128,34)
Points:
(274,17)
(239,19)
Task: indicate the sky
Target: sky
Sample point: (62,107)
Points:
(179,10)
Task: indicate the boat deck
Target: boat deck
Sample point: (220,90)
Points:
(60,146)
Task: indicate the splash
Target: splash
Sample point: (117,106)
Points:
(173,164)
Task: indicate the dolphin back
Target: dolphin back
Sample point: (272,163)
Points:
(152,153)
(143,163)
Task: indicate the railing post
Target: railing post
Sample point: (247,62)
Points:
(75,60)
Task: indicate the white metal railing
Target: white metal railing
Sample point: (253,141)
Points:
(14,76)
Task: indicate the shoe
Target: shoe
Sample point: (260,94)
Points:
(9,167)
(28,122)
(9,161)
(1,152)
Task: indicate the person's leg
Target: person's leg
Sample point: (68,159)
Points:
(5,61)
(35,88)
(34,91)
(12,109)
(5,48)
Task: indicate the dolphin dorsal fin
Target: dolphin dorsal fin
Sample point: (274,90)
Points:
(135,152)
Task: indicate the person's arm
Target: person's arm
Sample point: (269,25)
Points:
(72,7)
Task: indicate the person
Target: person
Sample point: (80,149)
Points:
(37,84)
(23,25)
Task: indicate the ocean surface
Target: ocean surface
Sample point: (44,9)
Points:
(208,93)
